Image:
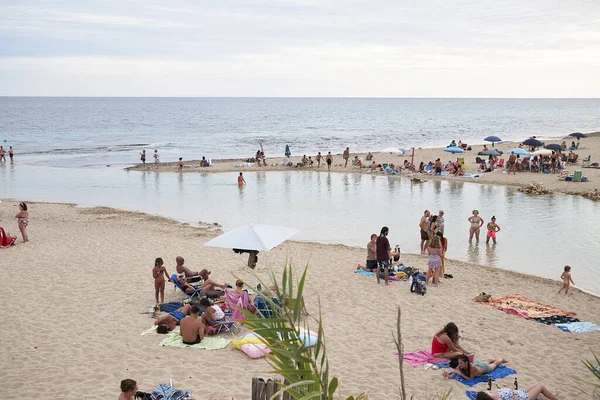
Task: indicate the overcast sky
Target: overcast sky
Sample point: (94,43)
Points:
(390,48)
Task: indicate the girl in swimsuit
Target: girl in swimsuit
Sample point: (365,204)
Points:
(476,223)
(531,392)
(23,219)
(435,260)
(445,343)
(469,371)
(492,228)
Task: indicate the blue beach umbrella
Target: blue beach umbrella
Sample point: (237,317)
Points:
(454,149)
(533,142)
(492,139)
(578,135)
(555,147)
(519,152)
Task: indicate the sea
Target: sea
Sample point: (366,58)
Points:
(75,150)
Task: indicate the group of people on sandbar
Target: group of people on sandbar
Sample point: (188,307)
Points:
(446,344)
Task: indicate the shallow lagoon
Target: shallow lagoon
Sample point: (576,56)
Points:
(539,234)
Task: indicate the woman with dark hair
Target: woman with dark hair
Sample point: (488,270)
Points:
(23,220)
(531,392)
(469,370)
(445,343)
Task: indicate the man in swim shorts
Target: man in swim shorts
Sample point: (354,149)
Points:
(346,156)
(191,328)
(191,276)
(329,160)
(171,320)
(424,226)
(384,251)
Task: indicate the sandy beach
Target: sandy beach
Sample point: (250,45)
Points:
(76,293)
(589,146)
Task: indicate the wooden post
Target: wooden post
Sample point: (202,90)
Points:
(262,390)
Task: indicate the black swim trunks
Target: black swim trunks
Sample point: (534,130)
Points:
(371,265)
(329,161)
(198,340)
(424,235)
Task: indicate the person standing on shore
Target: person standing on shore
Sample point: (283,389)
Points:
(424,226)
(23,220)
(435,260)
(288,153)
(512,163)
(11,153)
(143,157)
(566,278)
(383,255)
(476,224)
(346,156)
(241,180)
(159,272)
(319,158)
(156,159)
(180,165)
(329,160)
(492,228)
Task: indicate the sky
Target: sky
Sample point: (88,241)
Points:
(300,48)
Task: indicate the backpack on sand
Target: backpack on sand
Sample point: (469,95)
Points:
(418,284)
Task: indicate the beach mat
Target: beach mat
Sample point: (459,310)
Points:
(578,327)
(208,343)
(422,357)
(498,373)
(472,394)
(520,305)
(391,278)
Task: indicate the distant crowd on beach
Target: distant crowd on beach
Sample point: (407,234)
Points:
(11,154)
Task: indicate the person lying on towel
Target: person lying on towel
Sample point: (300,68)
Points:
(171,320)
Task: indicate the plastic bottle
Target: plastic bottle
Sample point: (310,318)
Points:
(490,384)
(516,384)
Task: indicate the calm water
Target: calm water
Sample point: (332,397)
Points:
(92,132)
(539,234)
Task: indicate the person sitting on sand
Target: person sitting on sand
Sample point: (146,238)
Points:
(211,315)
(203,162)
(304,160)
(422,167)
(128,389)
(445,343)
(371,264)
(310,161)
(531,392)
(191,276)
(239,299)
(356,162)
(470,371)
(192,329)
(172,319)
(485,148)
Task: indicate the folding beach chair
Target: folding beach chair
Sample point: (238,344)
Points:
(196,294)
(501,163)
(577,175)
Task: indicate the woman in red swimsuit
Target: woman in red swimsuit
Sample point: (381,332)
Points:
(445,343)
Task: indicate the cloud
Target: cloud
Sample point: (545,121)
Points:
(384,48)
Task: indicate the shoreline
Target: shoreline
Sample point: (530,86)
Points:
(56,353)
(216,228)
(591,147)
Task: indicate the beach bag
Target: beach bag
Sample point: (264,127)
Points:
(418,284)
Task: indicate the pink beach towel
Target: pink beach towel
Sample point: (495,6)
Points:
(237,301)
(421,357)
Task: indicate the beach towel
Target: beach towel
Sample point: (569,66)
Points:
(363,272)
(556,319)
(5,240)
(173,306)
(498,373)
(166,392)
(208,343)
(525,307)
(579,327)
(237,301)
(423,357)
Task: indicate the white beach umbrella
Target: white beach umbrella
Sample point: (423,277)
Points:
(253,237)
(393,150)
(542,152)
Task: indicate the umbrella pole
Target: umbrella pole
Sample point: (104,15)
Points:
(412,160)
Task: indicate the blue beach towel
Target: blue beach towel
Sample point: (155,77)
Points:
(166,392)
(363,272)
(173,306)
(578,327)
(498,373)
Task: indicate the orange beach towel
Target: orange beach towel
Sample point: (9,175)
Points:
(524,305)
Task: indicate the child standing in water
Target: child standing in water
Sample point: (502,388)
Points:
(567,280)
(180,165)
(492,228)
(158,273)
(241,180)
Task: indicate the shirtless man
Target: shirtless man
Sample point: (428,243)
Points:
(172,319)
(2,152)
(476,224)
(512,163)
(346,156)
(128,389)
(191,276)
(206,286)
(424,226)
(192,329)
(319,158)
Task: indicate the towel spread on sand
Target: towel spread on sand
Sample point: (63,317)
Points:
(367,273)
(173,306)
(498,373)
(423,357)
(525,307)
(208,343)
(579,327)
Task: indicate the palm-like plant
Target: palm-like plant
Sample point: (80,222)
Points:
(306,369)
(595,370)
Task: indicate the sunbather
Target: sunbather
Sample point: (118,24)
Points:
(468,370)
(445,343)
(211,315)
(531,392)
(172,319)
(183,270)
(192,329)
(206,286)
